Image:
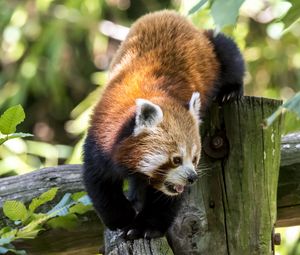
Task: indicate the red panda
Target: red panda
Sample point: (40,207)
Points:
(146,125)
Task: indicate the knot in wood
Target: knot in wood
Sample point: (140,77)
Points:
(191,224)
(216,146)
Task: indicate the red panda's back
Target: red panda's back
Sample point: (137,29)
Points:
(163,55)
(173,46)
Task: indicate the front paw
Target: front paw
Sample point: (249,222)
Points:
(144,227)
(229,96)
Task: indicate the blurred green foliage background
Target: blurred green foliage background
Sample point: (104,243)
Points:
(54,57)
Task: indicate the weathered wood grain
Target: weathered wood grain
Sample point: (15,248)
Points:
(232,210)
(116,245)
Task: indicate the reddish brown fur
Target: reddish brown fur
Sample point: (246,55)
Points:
(166,60)
(131,151)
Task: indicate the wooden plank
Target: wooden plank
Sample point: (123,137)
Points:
(288,216)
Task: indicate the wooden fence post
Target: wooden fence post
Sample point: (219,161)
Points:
(232,210)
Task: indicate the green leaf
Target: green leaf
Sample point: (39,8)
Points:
(18,252)
(197,7)
(42,199)
(62,207)
(29,233)
(293,105)
(33,228)
(225,12)
(80,208)
(10,235)
(78,195)
(11,249)
(3,140)
(293,14)
(12,136)
(3,250)
(15,210)
(5,230)
(5,240)
(85,200)
(68,222)
(10,119)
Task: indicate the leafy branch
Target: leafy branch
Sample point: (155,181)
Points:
(225,13)
(293,105)
(9,121)
(29,223)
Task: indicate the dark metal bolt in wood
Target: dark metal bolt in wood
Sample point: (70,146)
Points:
(212,204)
(277,239)
(217,142)
(216,146)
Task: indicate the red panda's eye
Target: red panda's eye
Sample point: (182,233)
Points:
(177,161)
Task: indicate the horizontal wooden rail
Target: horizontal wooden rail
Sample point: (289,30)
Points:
(288,193)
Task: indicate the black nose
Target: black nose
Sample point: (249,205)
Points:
(192,177)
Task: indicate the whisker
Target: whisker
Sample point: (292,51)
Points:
(203,174)
(203,164)
(203,169)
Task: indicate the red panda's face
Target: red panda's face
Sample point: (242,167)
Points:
(165,145)
(171,164)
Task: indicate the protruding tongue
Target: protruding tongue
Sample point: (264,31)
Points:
(179,188)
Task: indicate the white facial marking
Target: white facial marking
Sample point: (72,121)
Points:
(152,161)
(180,174)
(194,149)
(182,150)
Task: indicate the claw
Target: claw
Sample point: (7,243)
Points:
(153,234)
(133,234)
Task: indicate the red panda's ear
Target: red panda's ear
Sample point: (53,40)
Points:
(148,115)
(194,106)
